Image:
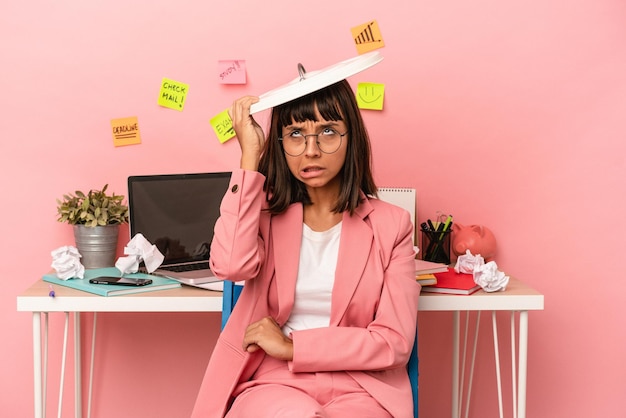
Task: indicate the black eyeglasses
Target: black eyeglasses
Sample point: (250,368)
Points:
(328,141)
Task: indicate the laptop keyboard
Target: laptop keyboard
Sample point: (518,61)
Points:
(187,267)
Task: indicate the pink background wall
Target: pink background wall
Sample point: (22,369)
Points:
(509,114)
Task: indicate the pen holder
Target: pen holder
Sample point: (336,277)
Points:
(436,246)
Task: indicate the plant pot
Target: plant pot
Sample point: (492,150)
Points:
(97,245)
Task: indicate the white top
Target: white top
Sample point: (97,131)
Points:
(316,276)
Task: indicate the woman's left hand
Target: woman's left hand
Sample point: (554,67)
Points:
(267,336)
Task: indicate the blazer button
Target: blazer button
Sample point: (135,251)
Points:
(235,188)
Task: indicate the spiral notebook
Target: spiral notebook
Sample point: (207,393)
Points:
(403,197)
(308,82)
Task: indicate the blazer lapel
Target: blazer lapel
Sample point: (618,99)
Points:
(354,249)
(286,240)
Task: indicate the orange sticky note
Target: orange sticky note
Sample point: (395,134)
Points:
(125,131)
(367,37)
(223,126)
(370,96)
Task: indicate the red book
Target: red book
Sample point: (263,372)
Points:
(454,283)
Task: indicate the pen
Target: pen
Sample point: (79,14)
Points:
(438,248)
(446,225)
(51,293)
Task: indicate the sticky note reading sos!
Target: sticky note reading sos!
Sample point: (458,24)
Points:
(223,126)
(173,94)
(125,131)
(370,96)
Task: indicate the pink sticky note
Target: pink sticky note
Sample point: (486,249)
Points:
(231,71)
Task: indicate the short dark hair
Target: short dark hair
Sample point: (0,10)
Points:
(335,102)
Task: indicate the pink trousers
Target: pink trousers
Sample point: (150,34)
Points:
(275,392)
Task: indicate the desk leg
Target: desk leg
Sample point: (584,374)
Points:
(496,355)
(523,358)
(78,395)
(456,315)
(37,364)
(513,365)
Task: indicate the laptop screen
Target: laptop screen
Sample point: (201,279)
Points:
(177,212)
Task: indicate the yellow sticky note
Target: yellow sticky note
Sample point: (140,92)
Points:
(370,96)
(367,37)
(173,94)
(125,131)
(223,126)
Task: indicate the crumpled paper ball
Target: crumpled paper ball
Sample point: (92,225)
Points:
(66,262)
(139,249)
(467,262)
(490,278)
(486,275)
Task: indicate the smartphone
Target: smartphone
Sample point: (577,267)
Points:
(120,281)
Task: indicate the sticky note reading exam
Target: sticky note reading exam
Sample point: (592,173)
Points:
(173,94)
(367,37)
(125,131)
(370,96)
(232,71)
(223,126)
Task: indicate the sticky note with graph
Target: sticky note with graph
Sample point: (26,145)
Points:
(367,37)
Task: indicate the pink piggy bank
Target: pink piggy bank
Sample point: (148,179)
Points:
(476,238)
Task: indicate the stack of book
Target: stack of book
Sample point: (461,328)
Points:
(425,271)
(454,283)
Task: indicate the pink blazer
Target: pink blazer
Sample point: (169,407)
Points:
(374,300)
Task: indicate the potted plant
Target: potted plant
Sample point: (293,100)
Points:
(96,218)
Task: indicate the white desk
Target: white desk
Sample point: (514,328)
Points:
(517,298)
(36,299)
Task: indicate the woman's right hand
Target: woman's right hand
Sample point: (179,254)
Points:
(249,134)
(267,336)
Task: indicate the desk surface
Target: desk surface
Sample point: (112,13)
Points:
(182,299)
(517,297)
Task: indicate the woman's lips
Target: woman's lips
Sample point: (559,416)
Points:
(311,171)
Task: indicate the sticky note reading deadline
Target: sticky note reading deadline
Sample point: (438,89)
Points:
(232,71)
(173,94)
(367,37)
(223,126)
(125,131)
(370,96)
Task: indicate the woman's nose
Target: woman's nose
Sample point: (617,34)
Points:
(312,149)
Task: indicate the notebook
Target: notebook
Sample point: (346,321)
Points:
(401,196)
(177,213)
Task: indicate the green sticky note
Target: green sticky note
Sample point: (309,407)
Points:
(370,96)
(173,94)
(223,126)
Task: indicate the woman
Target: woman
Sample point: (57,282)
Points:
(325,324)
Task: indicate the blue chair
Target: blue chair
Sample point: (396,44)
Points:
(232,292)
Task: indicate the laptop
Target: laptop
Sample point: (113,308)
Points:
(177,213)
